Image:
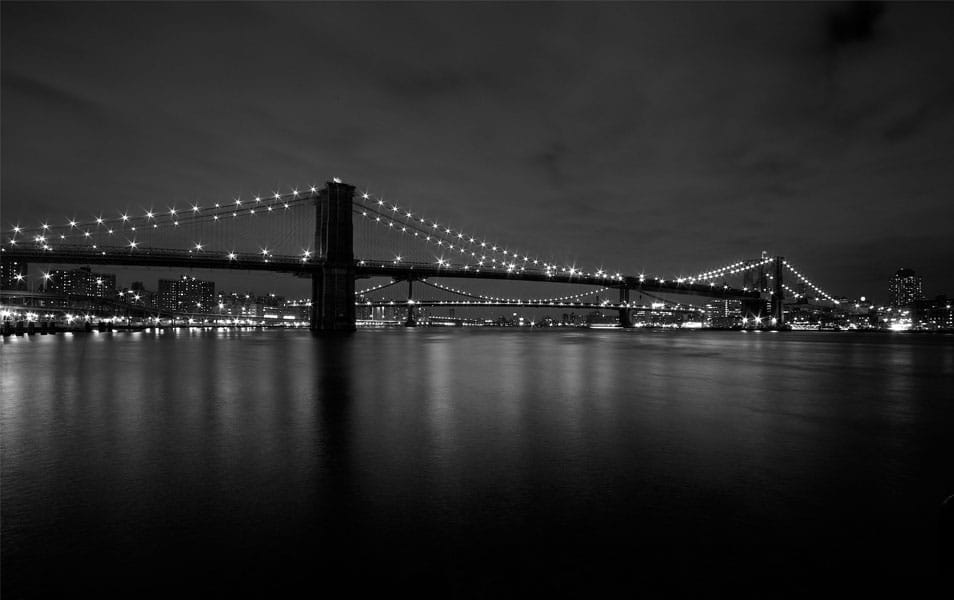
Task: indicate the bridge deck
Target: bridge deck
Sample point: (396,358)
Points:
(180,259)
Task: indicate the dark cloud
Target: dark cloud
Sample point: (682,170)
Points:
(854,23)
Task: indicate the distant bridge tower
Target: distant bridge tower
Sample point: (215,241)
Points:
(778,295)
(332,285)
(625,313)
(411,315)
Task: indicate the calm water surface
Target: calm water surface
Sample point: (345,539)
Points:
(472,462)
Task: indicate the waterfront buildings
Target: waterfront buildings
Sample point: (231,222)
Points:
(905,288)
(936,314)
(80,282)
(186,295)
(269,306)
(13,275)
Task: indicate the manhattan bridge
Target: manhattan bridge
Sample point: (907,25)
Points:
(336,237)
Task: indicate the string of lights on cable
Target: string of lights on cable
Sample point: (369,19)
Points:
(807,282)
(123,232)
(525,300)
(734,268)
(474,249)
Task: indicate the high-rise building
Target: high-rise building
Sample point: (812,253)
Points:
(905,287)
(13,275)
(81,282)
(186,295)
(103,285)
(936,314)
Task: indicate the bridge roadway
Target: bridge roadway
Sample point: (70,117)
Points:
(609,306)
(187,259)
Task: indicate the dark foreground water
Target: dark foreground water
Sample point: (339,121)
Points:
(473,462)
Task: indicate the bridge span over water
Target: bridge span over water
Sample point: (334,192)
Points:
(322,222)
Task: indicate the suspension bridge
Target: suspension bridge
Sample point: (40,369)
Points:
(335,236)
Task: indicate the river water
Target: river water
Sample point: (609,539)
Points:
(473,462)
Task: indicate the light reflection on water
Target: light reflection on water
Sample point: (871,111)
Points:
(463,460)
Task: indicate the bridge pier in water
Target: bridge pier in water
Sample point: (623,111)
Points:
(332,284)
(625,314)
(411,313)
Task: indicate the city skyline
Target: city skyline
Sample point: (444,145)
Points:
(689,131)
(887,296)
(76,291)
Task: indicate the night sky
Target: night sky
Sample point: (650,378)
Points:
(664,138)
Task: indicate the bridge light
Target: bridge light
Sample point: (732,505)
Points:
(195,208)
(215,218)
(295,192)
(198,246)
(278,196)
(45,226)
(149,214)
(72,223)
(133,244)
(231,256)
(16,229)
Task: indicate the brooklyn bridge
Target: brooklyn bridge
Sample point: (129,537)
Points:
(335,236)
